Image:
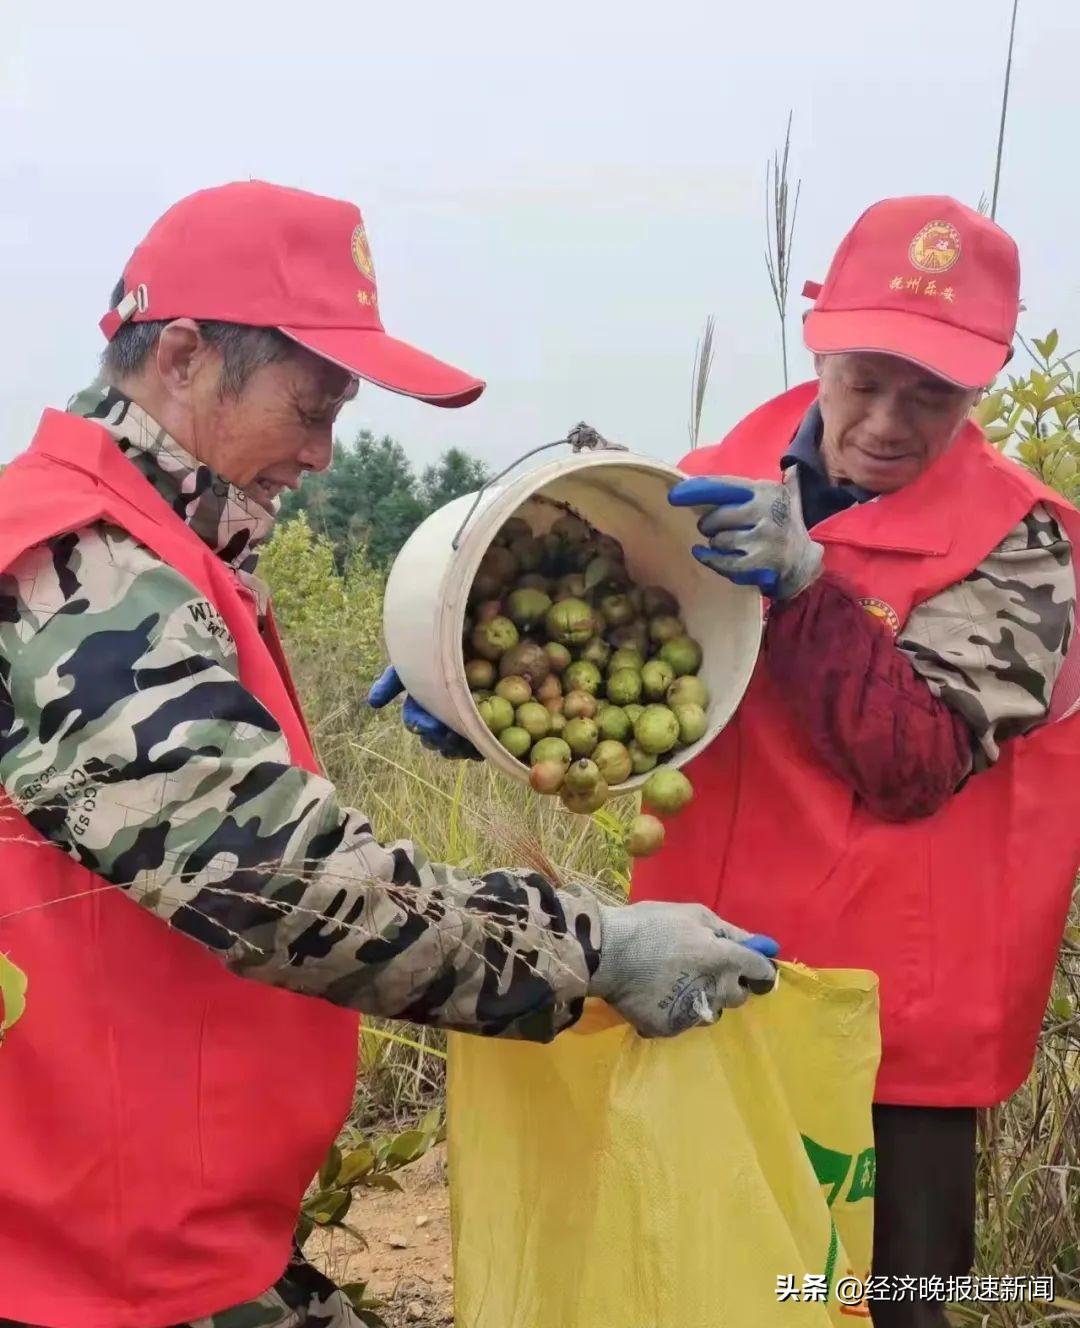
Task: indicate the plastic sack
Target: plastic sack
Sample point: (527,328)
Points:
(608,1181)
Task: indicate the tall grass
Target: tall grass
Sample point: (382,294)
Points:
(463,813)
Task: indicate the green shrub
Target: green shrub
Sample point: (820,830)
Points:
(332,624)
(1036,418)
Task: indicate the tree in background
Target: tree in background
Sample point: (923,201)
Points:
(454,474)
(370,496)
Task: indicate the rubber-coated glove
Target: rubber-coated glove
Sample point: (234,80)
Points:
(756,533)
(432,732)
(668,967)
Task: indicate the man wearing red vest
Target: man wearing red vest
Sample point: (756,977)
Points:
(199,917)
(897,790)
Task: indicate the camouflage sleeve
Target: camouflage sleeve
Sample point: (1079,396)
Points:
(991,646)
(127,739)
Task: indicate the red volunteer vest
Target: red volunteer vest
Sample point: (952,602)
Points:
(160,1118)
(960,914)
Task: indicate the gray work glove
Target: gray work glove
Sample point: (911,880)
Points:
(756,533)
(669,967)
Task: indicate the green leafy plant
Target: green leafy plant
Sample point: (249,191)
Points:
(366,1306)
(1036,418)
(364,1164)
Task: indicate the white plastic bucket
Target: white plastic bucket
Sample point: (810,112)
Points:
(621,494)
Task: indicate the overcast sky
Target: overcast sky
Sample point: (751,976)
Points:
(556,195)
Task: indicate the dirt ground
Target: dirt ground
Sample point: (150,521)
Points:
(407,1263)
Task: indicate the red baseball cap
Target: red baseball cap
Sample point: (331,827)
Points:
(267,256)
(926,279)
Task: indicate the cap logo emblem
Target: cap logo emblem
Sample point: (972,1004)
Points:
(361,253)
(936,247)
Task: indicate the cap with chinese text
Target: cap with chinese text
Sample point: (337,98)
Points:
(267,256)
(924,278)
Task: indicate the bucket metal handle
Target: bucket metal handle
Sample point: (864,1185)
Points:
(582,437)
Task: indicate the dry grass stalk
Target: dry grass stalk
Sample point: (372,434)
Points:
(703,359)
(779,233)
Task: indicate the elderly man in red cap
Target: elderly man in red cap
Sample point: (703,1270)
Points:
(897,790)
(199,916)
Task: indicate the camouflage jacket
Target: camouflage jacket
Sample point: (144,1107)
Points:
(992,645)
(200,814)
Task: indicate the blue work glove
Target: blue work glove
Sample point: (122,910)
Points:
(756,533)
(432,732)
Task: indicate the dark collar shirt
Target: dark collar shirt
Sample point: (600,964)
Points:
(821,498)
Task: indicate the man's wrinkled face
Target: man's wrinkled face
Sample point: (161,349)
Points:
(885,419)
(280,425)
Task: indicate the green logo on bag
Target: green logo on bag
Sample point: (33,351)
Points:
(833,1168)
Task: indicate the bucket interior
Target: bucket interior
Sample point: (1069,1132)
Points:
(629,502)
